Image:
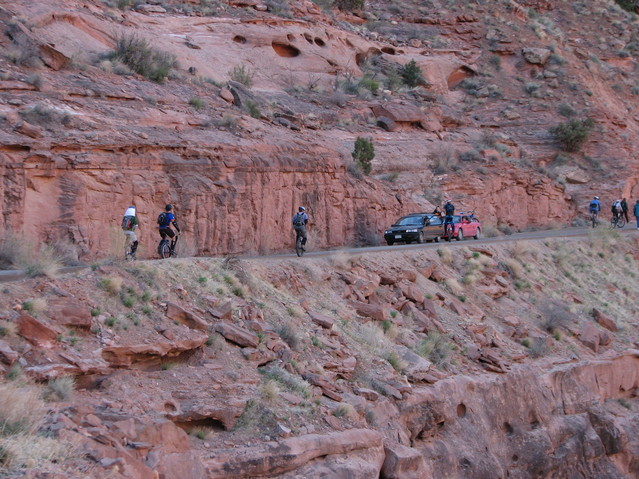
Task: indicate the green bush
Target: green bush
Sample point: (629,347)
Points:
(363,154)
(139,56)
(573,133)
(412,74)
(242,75)
(349,5)
(197,103)
(628,5)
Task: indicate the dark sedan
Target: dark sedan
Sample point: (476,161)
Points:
(414,228)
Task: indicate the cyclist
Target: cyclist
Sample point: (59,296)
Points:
(300,219)
(617,210)
(165,220)
(129,225)
(595,208)
(449,211)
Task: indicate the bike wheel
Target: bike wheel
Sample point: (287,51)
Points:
(299,249)
(621,222)
(164,249)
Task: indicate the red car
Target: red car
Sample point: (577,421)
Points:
(466,225)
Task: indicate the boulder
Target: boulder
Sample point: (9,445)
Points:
(604,320)
(536,56)
(126,355)
(187,318)
(403,462)
(238,335)
(36,332)
(398,112)
(589,336)
(373,311)
(7,355)
(386,123)
(412,292)
(222,311)
(321,319)
(417,368)
(274,458)
(69,312)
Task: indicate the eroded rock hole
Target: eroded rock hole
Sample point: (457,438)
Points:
(290,37)
(515,458)
(389,50)
(508,428)
(458,76)
(441,424)
(206,423)
(239,39)
(461,410)
(319,42)
(465,463)
(308,38)
(535,425)
(285,50)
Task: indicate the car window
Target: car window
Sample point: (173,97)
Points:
(435,220)
(410,220)
(466,218)
(456,219)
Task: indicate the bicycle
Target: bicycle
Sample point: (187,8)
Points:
(448,232)
(129,254)
(617,222)
(594,215)
(299,248)
(166,248)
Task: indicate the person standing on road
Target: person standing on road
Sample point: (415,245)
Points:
(449,211)
(624,209)
(300,219)
(636,212)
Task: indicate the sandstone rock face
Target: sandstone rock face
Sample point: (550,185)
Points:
(289,454)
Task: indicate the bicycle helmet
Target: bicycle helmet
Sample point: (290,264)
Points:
(130,211)
(301,208)
(168,207)
(596,197)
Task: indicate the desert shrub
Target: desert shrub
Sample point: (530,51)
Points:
(396,362)
(253,109)
(10,250)
(229,121)
(495,61)
(566,110)
(470,155)
(363,154)
(369,84)
(436,348)
(573,133)
(345,410)
(35,80)
(45,116)
(241,74)
(412,74)
(289,335)
(60,389)
(349,5)
(628,5)
(471,86)
(444,159)
(555,315)
(112,285)
(533,89)
(197,103)
(139,56)
(290,381)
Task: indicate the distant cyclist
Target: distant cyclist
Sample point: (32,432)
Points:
(300,220)
(617,210)
(449,211)
(595,208)
(166,219)
(129,225)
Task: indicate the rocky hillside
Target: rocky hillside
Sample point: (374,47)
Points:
(458,361)
(238,112)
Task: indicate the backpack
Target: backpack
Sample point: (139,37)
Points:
(449,208)
(162,219)
(299,219)
(594,205)
(127,223)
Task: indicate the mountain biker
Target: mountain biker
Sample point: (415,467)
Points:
(617,210)
(300,219)
(449,211)
(624,209)
(594,208)
(129,225)
(165,220)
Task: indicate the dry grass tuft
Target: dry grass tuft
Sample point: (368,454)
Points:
(446,255)
(436,349)
(289,335)
(112,284)
(60,389)
(514,267)
(7,328)
(453,286)
(270,390)
(345,410)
